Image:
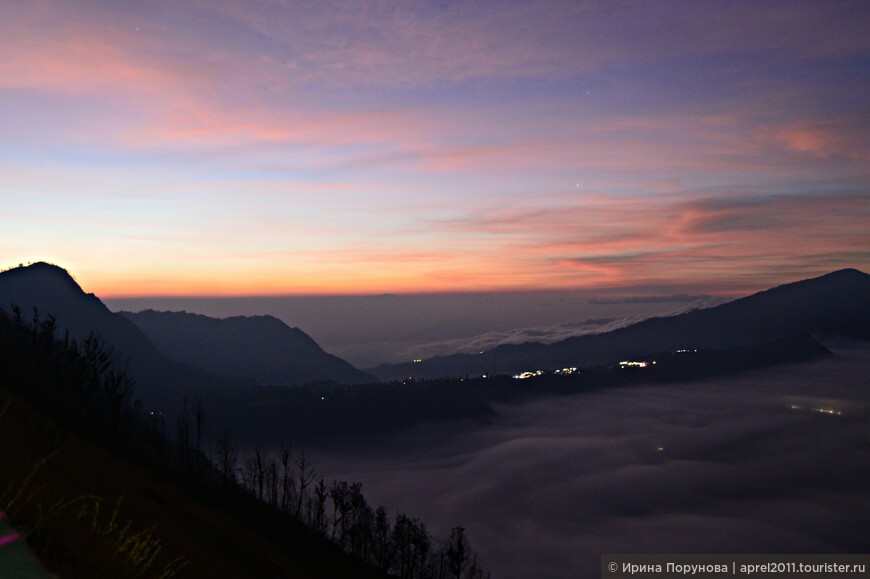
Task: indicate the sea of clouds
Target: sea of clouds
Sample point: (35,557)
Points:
(732,465)
(554,332)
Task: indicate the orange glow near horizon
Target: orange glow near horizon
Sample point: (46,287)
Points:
(219,150)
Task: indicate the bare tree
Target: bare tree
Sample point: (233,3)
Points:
(382,548)
(458,552)
(360,523)
(305,475)
(288,482)
(422,543)
(339,492)
(272,480)
(260,472)
(404,531)
(249,474)
(321,493)
(226,456)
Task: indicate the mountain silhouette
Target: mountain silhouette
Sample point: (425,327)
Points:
(253,411)
(46,290)
(837,303)
(262,348)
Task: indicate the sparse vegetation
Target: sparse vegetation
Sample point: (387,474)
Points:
(340,512)
(56,526)
(72,408)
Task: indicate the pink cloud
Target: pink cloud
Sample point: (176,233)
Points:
(451,126)
(203,124)
(624,241)
(660,144)
(824,139)
(89,60)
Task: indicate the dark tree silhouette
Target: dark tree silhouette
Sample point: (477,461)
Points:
(305,476)
(226,456)
(288,482)
(458,552)
(318,517)
(339,492)
(382,547)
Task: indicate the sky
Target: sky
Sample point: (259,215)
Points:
(364,147)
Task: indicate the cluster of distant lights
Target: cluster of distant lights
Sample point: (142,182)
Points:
(534,373)
(622,364)
(633,364)
(574,370)
(828,411)
(527,375)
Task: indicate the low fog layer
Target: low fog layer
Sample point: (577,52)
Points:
(775,461)
(544,334)
(369,330)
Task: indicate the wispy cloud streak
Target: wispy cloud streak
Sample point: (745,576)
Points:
(545,144)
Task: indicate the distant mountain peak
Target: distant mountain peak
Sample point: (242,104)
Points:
(42,269)
(261,347)
(841,278)
(42,282)
(846,272)
(45,289)
(262,320)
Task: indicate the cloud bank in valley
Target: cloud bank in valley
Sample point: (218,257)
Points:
(555,332)
(745,464)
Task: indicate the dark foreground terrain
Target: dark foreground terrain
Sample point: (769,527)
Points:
(97,490)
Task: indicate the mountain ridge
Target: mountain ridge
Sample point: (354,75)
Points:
(164,378)
(42,289)
(260,347)
(836,303)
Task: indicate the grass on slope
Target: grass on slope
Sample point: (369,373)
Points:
(88,512)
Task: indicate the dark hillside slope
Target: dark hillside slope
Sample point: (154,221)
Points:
(219,532)
(98,490)
(837,303)
(262,348)
(161,383)
(100,502)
